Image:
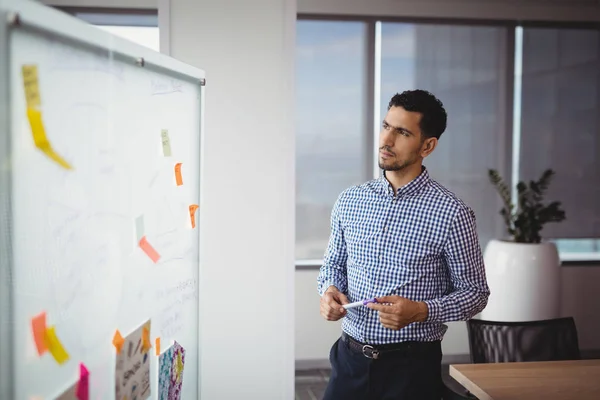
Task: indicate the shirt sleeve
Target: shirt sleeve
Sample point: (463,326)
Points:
(463,256)
(333,270)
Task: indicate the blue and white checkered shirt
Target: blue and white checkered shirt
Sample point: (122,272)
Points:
(420,244)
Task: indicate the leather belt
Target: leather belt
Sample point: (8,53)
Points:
(376,351)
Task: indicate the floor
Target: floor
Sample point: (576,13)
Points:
(310,384)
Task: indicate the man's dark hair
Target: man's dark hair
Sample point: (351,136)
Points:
(433,120)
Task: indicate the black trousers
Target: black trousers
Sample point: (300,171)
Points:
(413,372)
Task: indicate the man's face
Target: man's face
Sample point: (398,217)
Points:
(400,140)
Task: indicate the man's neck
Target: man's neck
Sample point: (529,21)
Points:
(400,178)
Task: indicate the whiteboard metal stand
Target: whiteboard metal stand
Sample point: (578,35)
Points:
(39,18)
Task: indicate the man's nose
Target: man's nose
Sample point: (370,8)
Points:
(386,138)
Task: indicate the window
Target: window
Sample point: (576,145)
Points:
(144,35)
(560,129)
(519,100)
(138,26)
(331,125)
(463,67)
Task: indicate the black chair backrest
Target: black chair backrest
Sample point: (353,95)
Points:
(547,340)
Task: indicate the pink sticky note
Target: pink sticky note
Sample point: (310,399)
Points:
(83,387)
(149,250)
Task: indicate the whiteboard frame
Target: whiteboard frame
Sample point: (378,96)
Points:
(36,17)
(6,348)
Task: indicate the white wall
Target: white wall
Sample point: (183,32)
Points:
(314,336)
(248,192)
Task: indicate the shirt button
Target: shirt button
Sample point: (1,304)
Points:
(381,257)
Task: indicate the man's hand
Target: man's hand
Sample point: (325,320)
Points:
(397,312)
(331,304)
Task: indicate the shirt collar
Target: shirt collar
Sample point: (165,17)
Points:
(411,187)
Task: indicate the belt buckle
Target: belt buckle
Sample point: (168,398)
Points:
(370,352)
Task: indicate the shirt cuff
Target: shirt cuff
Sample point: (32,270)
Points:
(434,312)
(325,285)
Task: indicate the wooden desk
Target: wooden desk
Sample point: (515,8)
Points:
(555,380)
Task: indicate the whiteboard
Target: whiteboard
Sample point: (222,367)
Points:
(73,239)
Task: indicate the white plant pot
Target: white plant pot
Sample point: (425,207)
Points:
(524,281)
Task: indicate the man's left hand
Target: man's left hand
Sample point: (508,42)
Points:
(396,312)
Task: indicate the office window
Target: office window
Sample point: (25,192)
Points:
(465,67)
(138,26)
(332,130)
(145,35)
(560,129)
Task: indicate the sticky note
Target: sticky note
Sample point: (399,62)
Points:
(149,250)
(146,339)
(157,345)
(41,141)
(179,367)
(166,144)
(30,84)
(118,341)
(193,209)
(139,227)
(38,325)
(55,346)
(83,387)
(178,178)
(34,115)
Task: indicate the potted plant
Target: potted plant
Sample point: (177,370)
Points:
(523,270)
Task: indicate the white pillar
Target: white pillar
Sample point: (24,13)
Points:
(248,191)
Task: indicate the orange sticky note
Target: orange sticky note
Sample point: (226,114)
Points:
(146,339)
(55,347)
(38,325)
(149,250)
(193,209)
(178,178)
(118,341)
(157,345)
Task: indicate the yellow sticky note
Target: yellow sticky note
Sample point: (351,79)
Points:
(30,83)
(179,368)
(40,139)
(37,129)
(55,346)
(157,346)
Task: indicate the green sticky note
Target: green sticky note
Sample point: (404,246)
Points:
(166,144)
(139,227)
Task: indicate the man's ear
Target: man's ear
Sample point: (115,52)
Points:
(428,146)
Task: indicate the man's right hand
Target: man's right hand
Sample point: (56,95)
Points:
(331,304)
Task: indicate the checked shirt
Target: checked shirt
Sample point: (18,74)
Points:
(420,243)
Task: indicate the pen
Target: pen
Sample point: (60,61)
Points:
(360,303)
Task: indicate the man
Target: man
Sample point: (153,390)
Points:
(410,243)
